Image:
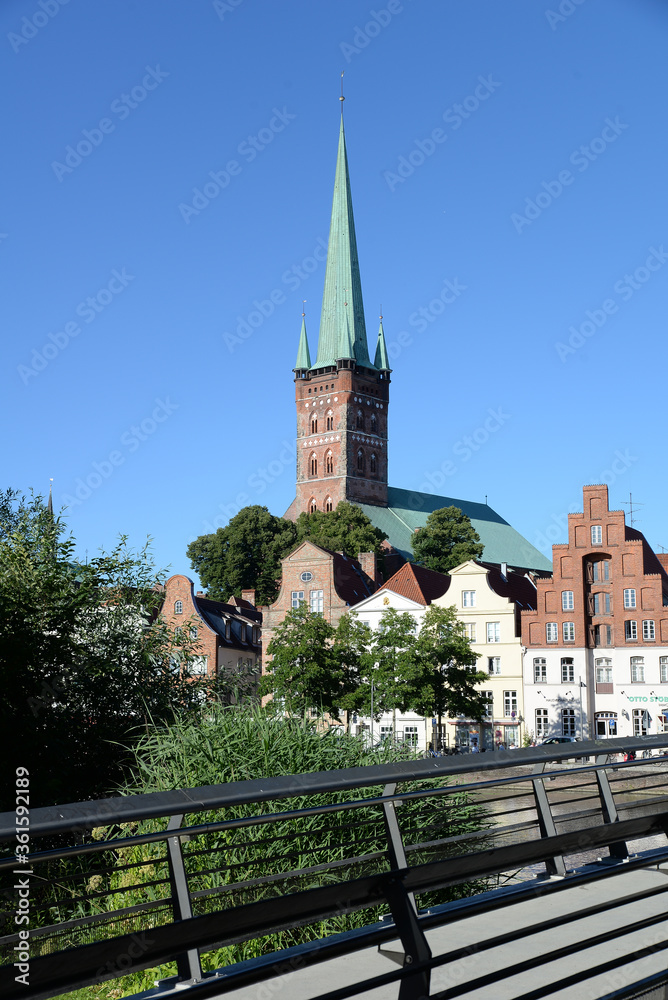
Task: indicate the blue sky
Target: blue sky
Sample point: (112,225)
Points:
(167,180)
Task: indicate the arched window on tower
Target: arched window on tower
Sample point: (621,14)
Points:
(312,505)
(328,504)
(329,464)
(314,424)
(329,421)
(372,465)
(314,464)
(360,461)
(360,420)
(373,423)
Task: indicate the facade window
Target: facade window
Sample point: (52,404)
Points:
(596,534)
(385,733)
(601,571)
(199,665)
(663,669)
(567,670)
(637,669)
(568,722)
(662,723)
(193,632)
(297,598)
(411,735)
(314,424)
(313,505)
(569,631)
(468,598)
(510,704)
(648,631)
(552,632)
(469,631)
(640,722)
(494,665)
(306,576)
(360,461)
(606,723)
(630,631)
(602,604)
(329,463)
(373,465)
(567,600)
(540,670)
(603,635)
(316,601)
(242,632)
(603,671)
(329,421)
(629,599)
(314,465)
(493,631)
(178,607)
(360,420)
(489,704)
(541,724)
(329,506)
(373,423)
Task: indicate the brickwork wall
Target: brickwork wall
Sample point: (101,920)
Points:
(180,588)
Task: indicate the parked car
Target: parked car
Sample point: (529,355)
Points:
(560,739)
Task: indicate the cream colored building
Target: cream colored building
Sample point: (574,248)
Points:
(489,600)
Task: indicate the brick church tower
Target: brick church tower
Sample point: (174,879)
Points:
(342,399)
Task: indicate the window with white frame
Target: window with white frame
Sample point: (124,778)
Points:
(567,670)
(596,534)
(568,722)
(629,598)
(178,607)
(631,631)
(316,601)
(386,732)
(541,724)
(493,664)
(662,723)
(640,721)
(509,704)
(468,598)
(469,631)
(552,632)
(648,631)
(297,598)
(663,669)
(567,600)
(637,669)
(603,667)
(493,631)
(411,735)
(568,629)
(540,670)
(193,632)
(489,706)
(199,665)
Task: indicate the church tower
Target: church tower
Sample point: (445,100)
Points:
(342,398)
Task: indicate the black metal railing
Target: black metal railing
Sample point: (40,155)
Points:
(316,865)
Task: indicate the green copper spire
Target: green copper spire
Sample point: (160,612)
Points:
(346,348)
(342,277)
(381,359)
(303,354)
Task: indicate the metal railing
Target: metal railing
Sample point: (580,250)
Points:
(313,866)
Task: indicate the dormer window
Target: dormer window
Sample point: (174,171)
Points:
(242,632)
(228,631)
(178,607)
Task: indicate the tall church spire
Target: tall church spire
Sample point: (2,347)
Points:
(342,299)
(303,354)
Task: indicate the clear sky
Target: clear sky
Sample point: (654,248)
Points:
(167,180)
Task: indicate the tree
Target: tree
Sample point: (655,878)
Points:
(391,665)
(245,554)
(84,656)
(446,685)
(346,529)
(447,540)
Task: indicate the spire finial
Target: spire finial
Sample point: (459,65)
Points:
(342,98)
(381,312)
(303,305)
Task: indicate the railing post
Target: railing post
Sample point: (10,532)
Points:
(619,849)
(188,965)
(554,866)
(404,908)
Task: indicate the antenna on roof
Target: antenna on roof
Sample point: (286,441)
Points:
(486,504)
(629,503)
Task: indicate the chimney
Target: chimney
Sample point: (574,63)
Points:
(367,561)
(248,595)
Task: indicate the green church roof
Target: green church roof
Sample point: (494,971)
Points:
(381,361)
(342,297)
(303,354)
(408,510)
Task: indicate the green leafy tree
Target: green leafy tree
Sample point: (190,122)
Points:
(85,658)
(346,529)
(246,554)
(391,665)
(447,540)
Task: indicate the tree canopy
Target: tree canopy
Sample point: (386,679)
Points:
(346,529)
(447,540)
